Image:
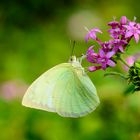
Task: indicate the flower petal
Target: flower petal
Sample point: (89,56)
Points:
(101,53)
(87,37)
(94,68)
(104,65)
(92,35)
(136,37)
(130,60)
(127,27)
(128,34)
(90,50)
(97,30)
(132,23)
(111,63)
(138,31)
(121,49)
(110,54)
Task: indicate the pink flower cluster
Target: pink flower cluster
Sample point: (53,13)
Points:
(121,33)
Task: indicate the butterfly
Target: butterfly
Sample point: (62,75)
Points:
(65,89)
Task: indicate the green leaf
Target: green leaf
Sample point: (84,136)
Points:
(129,90)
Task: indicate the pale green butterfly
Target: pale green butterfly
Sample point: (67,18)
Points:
(65,89)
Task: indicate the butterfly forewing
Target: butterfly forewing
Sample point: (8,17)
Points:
(40,94)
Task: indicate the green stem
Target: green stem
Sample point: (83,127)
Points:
(116,73)
(124,62)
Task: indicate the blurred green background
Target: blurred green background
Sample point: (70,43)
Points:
(35,36)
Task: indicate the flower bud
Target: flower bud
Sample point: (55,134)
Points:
(123,20)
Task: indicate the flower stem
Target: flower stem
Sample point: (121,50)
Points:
(116,73)
(124,62)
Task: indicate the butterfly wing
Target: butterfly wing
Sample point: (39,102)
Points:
(40,94)
(64,89)
(78,94)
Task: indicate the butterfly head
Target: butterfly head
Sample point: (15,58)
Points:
(74,61)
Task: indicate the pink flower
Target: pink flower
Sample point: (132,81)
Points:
(105,59)
(106,46)
(91,55)
(113,24)
(121,32)
(115,32)
(131,59)
(132,30)
(92,34)
(118,45)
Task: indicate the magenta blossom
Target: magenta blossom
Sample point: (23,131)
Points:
(131,59)
(115,32)
(109,52)
(91,55)
(106,46)
(118,45)
(105,59)
(132,30)
(118,30)
(113,24)
(92,34)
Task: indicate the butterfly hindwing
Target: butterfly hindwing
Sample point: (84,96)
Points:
(65,89)
(76,98)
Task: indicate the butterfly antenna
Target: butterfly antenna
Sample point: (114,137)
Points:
(72,51)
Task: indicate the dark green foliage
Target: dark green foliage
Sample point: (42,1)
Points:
(130,89)
(28,13)
(134,76)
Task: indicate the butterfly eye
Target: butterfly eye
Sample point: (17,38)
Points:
(72,59)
